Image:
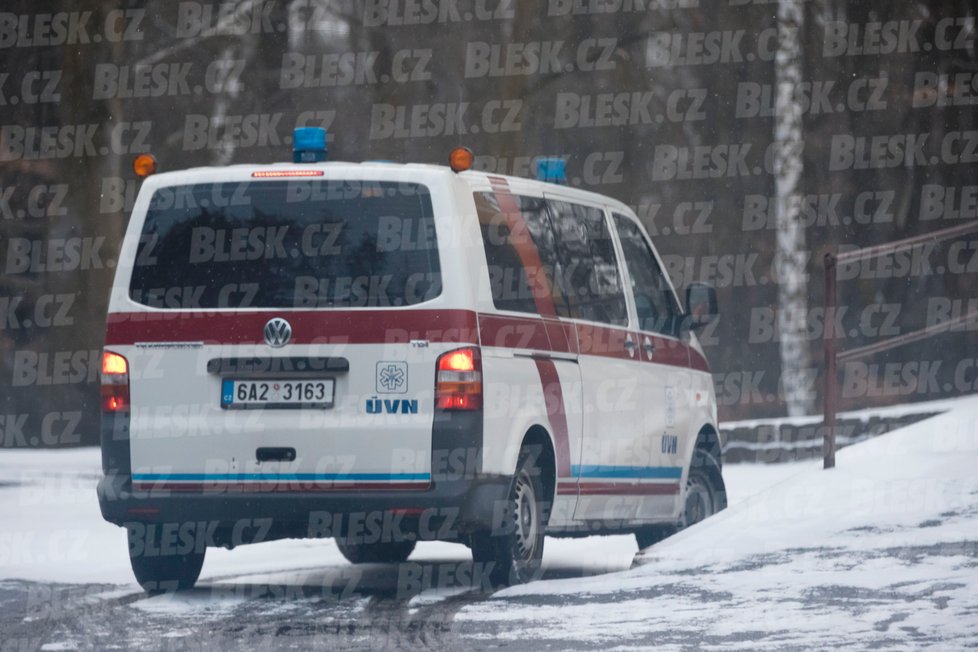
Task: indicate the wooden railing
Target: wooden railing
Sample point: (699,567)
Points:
(831,347)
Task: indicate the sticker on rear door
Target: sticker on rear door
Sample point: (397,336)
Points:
(392,378)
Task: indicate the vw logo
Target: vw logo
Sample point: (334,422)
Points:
(278,332)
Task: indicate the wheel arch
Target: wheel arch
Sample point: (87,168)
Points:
(539,440)
(708,440)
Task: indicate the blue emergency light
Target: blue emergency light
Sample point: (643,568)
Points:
(309,145)
(553,170)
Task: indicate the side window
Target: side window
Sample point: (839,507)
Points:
(521,253)
(537,217)
(654,301)
(588,267)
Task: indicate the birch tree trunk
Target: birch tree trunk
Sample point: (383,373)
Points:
(789,259)
(224,154)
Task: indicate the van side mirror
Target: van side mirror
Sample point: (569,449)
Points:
(701,305)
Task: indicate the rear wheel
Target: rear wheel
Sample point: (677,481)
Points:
(158,570)
(513,552)
(381,552)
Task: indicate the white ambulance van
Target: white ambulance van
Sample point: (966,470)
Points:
(385,353)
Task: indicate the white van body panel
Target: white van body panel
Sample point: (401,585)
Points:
(213,446)
(607,408)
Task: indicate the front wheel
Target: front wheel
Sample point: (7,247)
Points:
(381,552)
(512,552)
(159,569)
(706,493)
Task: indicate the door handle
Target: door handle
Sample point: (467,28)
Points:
(270,454)
(630,346)
(547,355)
(649,347)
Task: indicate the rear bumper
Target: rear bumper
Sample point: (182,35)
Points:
(448,510)
(459,500)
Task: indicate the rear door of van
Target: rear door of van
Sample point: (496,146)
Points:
(282,333)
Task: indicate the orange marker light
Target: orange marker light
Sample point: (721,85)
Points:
(461,159)
(144,165)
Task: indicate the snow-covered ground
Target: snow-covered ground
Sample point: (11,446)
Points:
(53,530)
(880,552)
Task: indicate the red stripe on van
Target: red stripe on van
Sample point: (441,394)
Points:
(545,335)
(667,351)
(563,336)
(619,489)
(514,332)
(567,488)
(553,398)
(594,339)
(555,336)
(308,327)
(697,361)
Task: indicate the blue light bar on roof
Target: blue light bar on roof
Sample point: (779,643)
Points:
(309,145)
(553,170)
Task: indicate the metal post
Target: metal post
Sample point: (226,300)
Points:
(830,394)
(831,376)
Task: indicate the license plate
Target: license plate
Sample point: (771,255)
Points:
(260,394)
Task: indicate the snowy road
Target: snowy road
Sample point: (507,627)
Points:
(880,553)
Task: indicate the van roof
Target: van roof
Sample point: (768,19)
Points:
(245,171)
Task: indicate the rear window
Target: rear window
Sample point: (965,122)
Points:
(288,244)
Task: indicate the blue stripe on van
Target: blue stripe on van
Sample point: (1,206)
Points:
(631,472)
(322,477)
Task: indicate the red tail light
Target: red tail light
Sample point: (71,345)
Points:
(115,382)
(458,380)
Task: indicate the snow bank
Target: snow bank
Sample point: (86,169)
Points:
(881,550)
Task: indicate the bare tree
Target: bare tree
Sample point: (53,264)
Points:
(789,260)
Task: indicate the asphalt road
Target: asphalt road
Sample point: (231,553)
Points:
(377,607)
(880,554)
(406,606)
